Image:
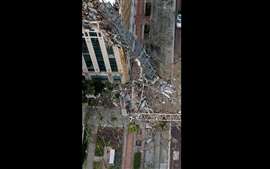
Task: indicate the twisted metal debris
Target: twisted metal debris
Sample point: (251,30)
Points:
(112,26)
(140,98)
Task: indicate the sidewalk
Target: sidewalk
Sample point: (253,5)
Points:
(128,158)
(124,144)
(142,146)
(157,150)
(92,143)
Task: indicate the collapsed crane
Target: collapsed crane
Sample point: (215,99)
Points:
(112,26)
(137,108)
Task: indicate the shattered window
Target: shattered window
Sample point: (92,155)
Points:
(117,78)
(99,77)
(110,50)
(146,31)
(113,64)
(98,54)
(84,46)
(86,56)
(88,61)
(93,33)
(148,9)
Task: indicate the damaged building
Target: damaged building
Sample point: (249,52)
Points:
(101,60)
(140,17)
(148,91)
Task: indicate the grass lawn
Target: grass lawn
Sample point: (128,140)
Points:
(100,147)
(86,139)
(137,160)
(97,165)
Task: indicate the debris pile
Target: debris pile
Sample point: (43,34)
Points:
(111,25)
(146,93)
(167,89)
(151,98)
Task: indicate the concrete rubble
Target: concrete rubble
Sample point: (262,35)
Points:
(111,25)
(166,89)
(148,96)
(146,93)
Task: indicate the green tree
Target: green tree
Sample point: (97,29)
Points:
(133,127)
(97,165)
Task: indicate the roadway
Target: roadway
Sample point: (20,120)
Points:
(175,162)
(177,41)
(175,148)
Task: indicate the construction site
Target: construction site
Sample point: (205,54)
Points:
(148,109)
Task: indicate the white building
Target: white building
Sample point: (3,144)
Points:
(101,61)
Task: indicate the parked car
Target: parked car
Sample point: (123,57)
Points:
(179,21)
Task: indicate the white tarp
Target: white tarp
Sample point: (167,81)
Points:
(111,158)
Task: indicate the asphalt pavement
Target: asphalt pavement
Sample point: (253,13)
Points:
(175,148)
(175,162)
(177,39)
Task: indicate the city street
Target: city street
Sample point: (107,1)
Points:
(177,53)
(175,154)
(176,61)
(175,148)
(177,41)
(91,146)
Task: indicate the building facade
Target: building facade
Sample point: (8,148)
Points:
(128,13)
(136,15)
(154,28)
(101,61)
(142,19)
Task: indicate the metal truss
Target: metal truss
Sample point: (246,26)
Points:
(157,117)
(126,39)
